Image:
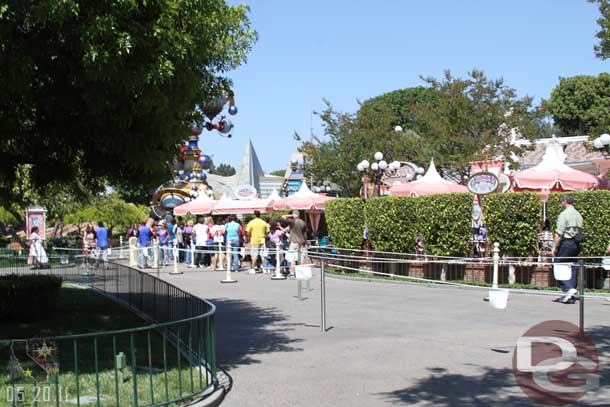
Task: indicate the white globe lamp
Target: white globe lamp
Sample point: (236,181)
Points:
(379,156)
(375,166)
(365,164)
(605,139)
(597,143)
(383,165)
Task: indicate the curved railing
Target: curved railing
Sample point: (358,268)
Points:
(169,361)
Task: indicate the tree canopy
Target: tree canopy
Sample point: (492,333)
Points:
(112,210)
(452,120)
(581,104)
(225,170)
(602,49)
(105,90)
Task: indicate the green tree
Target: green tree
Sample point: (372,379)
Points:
(473,120)
(279,173)
(581,104)
(602,49)
(224,170)
(106,89)
(112,210)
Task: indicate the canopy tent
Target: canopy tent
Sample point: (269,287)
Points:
(227,206)
(304,199)
(310,202)
(553,174)
(430,184)
(202,205)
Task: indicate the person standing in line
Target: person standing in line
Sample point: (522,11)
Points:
(188,236)
(163,236)
(232,234)
(298,240)
(144,240)
(566,247)
(172,235)
(179,236)
(200,230)
(218,233)
(37,256)
(209,243)
(256,231)
(101,244)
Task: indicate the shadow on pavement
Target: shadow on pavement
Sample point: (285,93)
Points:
(244,330)
(492,387)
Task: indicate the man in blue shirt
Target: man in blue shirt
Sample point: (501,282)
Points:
(101,243)
(144,239)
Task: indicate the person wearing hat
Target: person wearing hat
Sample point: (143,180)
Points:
(298,238)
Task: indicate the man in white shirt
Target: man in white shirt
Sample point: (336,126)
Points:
(201,236)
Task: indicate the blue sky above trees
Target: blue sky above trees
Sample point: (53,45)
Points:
(349,50)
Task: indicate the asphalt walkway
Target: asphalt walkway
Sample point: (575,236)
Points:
(388,344)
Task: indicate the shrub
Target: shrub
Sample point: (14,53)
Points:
(594,206)
(28,298)
(393,222)
(513,220)
(345,220)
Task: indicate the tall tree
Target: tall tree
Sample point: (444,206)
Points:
(602,49)
(224,170)
(473,120)
(106,89)
(581,104)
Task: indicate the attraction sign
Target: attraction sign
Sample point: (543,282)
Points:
(404,174)
(483,183)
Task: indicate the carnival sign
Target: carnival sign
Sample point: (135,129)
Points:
(483,183)
(245,192)
(404,174)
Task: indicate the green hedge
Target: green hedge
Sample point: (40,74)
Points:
(594,206)
(345,220)
(28,298)
(514,220)
(393,222)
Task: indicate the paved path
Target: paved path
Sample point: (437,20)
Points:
(390,344)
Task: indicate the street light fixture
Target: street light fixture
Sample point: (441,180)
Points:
(602,142)
(377,168)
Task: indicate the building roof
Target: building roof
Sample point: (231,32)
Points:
(578,155)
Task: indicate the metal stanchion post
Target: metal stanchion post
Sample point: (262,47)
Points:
(133,252)
(121,247)
(175,254)
(192,254)
(581,287)
(228,278)
(323,295)
(496,259)
(218,262)
(155,255)
(278,263)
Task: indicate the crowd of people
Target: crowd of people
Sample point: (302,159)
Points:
(260,239)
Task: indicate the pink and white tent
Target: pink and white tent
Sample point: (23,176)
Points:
(202,205)
(553,174)
(430,184)
(227,206)
(304,199)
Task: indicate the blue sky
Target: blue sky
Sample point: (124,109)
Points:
(349,50)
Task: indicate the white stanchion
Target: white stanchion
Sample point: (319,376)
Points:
(133,251)
(228,278)
(192,254)
(121,247)
(175,254)
(218,262)
(278,263)
(155,254)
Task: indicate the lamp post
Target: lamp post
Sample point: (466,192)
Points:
(377,169)
(602,143)
(324,187)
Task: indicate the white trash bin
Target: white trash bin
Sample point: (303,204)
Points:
(498,298)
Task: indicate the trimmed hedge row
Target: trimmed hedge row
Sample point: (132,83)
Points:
(512,219)
(393,222)
(28,298)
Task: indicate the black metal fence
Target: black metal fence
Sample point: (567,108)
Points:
(169,361)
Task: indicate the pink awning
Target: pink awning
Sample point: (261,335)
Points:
(430,184)
(304,199)
(552,174)
(203,205)
(228,206)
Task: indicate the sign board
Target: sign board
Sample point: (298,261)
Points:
(293,186)
(245,192)
(483,183)
(404,174)
(303,272)
(36,217)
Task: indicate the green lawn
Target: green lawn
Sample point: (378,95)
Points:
(82,310)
